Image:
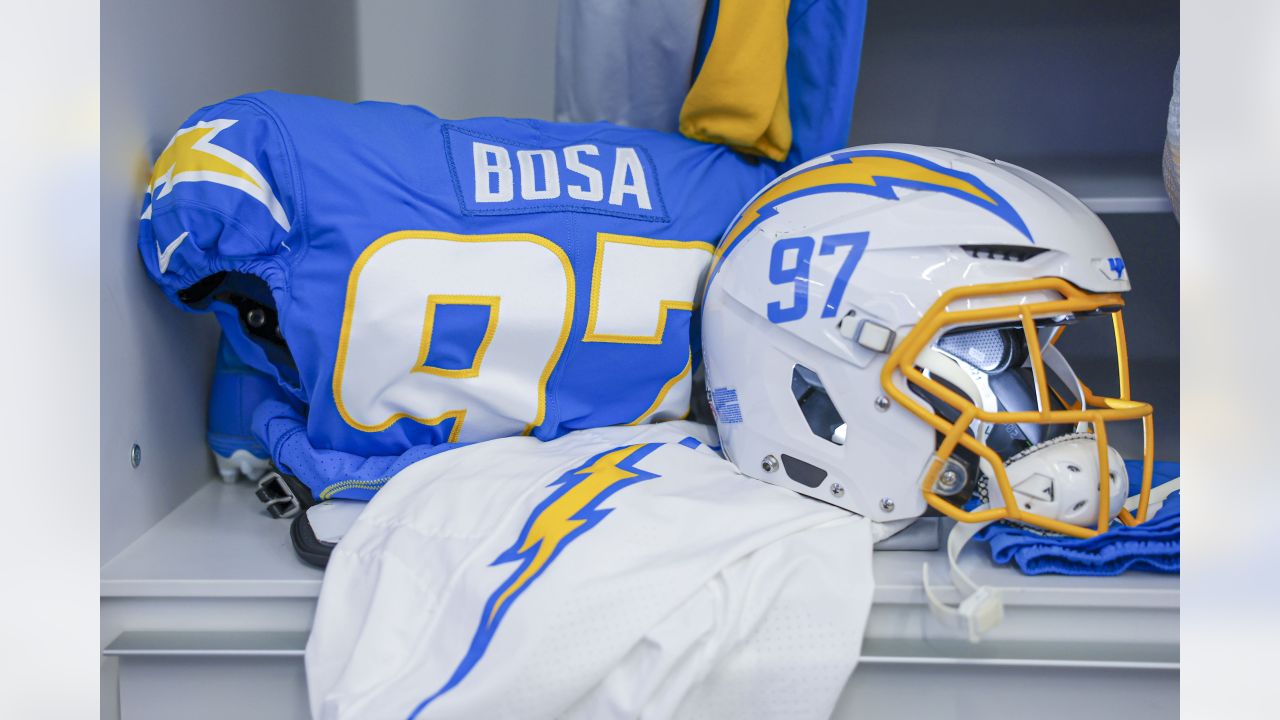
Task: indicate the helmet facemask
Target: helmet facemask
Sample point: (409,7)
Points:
(1009,412)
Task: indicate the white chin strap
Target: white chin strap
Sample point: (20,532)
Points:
(1053,479)
(982,606)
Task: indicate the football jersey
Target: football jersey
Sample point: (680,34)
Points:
(613,572)
(438,282)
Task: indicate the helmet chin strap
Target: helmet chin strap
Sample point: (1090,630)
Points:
(981,607)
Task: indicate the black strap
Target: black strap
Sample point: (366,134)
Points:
(284,495)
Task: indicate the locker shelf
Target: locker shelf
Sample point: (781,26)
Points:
(1107,184)
(221,543)
(211,606)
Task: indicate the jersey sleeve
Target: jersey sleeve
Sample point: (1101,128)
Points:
(221,197)
(776,77)
(221,223)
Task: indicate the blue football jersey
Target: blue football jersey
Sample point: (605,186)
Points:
(421,282)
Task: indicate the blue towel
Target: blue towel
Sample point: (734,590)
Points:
(1153,546)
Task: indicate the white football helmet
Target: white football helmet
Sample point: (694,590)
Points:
(879,332)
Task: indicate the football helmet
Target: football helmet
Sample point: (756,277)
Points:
(880,331)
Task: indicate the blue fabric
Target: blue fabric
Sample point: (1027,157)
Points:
(1153,546)
(347,475)
(457,333)
(237,390)
(824,53)
(288,192)
(1161,472)
(708,33)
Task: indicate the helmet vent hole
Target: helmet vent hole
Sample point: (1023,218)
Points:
(1006,253)
(1074,468)
(1078,505)
(816,405)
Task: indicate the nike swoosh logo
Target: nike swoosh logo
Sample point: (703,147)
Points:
(164,255)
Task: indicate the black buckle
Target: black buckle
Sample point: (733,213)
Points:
(277,494)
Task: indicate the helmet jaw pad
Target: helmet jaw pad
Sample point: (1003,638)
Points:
(1059,479)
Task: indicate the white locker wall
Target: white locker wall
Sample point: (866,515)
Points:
(459,59)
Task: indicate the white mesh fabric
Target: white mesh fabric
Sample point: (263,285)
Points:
(987,350)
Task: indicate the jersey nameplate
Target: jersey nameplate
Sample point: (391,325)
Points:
(495,176)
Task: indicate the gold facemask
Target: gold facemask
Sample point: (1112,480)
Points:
(1094,410)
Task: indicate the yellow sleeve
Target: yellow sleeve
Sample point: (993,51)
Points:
(739,98)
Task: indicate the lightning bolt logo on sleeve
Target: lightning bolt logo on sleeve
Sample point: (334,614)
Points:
(871,172)
(191,156)
(573,509)
(163,256)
